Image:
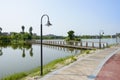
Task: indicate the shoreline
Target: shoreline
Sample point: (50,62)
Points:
(67,61)
(52,66)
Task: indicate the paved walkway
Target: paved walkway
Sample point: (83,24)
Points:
(85,68)
(111,69)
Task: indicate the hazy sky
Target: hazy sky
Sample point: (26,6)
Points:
(82,16)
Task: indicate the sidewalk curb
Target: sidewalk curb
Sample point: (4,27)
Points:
(95,73)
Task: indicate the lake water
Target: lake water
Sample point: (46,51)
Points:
(109,41)
(24,59)
(14,59)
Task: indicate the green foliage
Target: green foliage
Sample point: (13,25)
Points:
(67,39)
(77,39)
(94,36)
(73,58)
(0,30)
(52,37)
(16,76)
(23,28)
(4,39)
(72,37)
(20,37)
(87,51)
(30,30)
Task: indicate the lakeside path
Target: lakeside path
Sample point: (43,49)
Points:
(86,68)
(111,69)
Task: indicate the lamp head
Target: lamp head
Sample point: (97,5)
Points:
(48,23)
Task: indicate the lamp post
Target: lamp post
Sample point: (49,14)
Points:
(48,24)
(100,36)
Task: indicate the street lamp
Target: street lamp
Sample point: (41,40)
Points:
(100,36)
(48,24)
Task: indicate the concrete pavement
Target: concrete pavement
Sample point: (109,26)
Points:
(111,69)
(85,68)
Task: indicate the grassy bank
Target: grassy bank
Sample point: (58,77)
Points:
(56,64)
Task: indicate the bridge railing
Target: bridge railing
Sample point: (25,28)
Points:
(75,43)
(72,43)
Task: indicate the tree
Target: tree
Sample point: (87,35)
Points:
(30,30)
(23,28)
(26,36)
(71,35)
(0,30)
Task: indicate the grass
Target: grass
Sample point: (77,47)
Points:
(16,76)
(55,64)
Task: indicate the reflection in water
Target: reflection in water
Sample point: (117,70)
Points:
(70,50)
(1,53)
(23,54)
(28,47)
(28,56)
(22,47)
(31,52)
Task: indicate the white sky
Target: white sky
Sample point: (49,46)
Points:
(82,16)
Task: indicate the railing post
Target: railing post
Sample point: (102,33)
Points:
(93,44)
(86,44)
(103,45)
(63,43)
(53,42)
(58,42)
(81,43)
(73,43)
(76,43)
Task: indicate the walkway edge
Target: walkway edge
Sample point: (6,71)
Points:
(95,73)
(58,70)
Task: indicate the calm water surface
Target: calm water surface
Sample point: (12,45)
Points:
(109,41)
(19,59)
(24,59)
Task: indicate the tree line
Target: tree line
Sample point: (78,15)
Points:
(17,37)
(23,36)
(72,37)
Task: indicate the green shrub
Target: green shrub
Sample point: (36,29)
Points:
(87,52)
(15,76)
